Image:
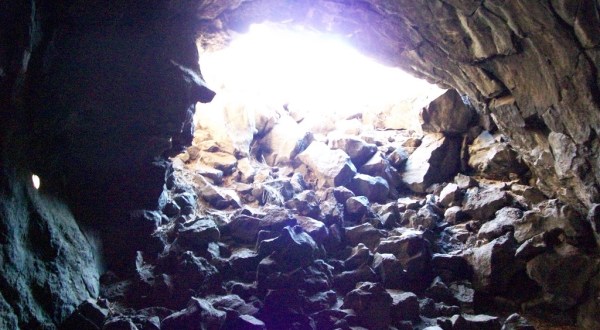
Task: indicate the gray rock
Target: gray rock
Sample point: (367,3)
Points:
(332,167)
(222,161)
(379,166)
(412,250)
(372,305)
(455,215)
(389,269)
(501,224)
(284,141)
(198,314)
(494,264)
(405,306)
(364,233)
(376,189)
(517,322)
(220,198)
(357,207)
(492,158)
(447,114)
(482,204)
(481,321)
(435,160)
(358,150)
(450,195)
(315,228)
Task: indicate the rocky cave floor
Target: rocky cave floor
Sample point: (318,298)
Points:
(341,240)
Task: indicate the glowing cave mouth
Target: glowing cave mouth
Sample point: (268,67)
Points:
(313,72)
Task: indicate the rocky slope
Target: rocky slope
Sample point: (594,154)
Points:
(372,230)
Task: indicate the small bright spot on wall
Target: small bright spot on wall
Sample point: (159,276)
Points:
(310,71)
(36,181)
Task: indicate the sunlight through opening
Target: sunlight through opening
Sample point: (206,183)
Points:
(316,74)
(35,180)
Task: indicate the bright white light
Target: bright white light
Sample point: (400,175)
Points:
(36,181)
(311,71)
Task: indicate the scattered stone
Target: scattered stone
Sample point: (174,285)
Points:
(516,322)
(447,114)
(284,141)
(455,215)
(435,160)
(219,160)
(450,195)
(398,158)
(483,322)
(501,224)
(464,181)
(358,150)
(379,166)
(492,158)
(220,198)
(360,255)
(199,314)
(315,228)
(372,304)
(364,233)
(216,176)
(304,203)
(483,204)
(357,207)
(332,167)
(389,269)
(376,189)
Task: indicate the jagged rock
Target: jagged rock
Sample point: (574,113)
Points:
(516,322)
(364,233)
(563,275)
(332,212)
(451,267)
(494,264)
(481,321)
(464,181)
(197,233)
(530,195)
(447,114)
(376,189)
(409,203)
(291,249)
(216,176)
(450,195)
(427,217)
(360,255)
(284,141)
(398,158)
(278,315)
(332,167)
(342,194)
(550,215)
(244,261)
(492,158)
(405,306)
(315,228)
(439,292)
(199,314)
(455,215)
(219,160)
(372,304)
(435,160)
(346,281)
(246,170)
(119,323)
(220,198)
(501,224)
(90,314)
(304,203)
(389,269)
(413,251)
(379,166)
(244,228)
(246,322)
(358,150)
(482,204)
(464,295)
(186,202)
(357,207)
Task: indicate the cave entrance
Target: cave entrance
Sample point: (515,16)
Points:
(320,81)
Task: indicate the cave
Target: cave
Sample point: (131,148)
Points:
(117,213)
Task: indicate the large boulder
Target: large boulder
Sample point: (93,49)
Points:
(284,141)
(332,167)
(358,150)
(447,114)
(491,157)
(435,160)
(375,188)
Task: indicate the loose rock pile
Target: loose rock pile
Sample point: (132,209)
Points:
(379,230)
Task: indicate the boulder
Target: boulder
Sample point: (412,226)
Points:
(493,158)
(405,306)
(563,275)
(331,167)
(481,321)
(372,305)
(293,248)
(482,204)
(501,224)
(450,195)
(376,189)
(494,264)
(284,141)
(364,233)
(220,198)
(358,150)
(315,228)
(199,314)
(517,322)
(357,207)
(389,269)
(437,159)
(379,166)
(222,161)
(447,114)
(413,251)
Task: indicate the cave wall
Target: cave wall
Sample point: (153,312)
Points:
(532,64)
(94,97)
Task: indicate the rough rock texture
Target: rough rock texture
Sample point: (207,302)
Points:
(447,114)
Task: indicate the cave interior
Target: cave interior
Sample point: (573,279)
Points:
(137,194)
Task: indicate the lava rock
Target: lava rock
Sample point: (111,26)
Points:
(358,150)
(376,189)
(494,159)
(447,114)
(332,167)
(435,160)
(199,314)
(483,204)
(501,224)
(372,304)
